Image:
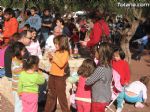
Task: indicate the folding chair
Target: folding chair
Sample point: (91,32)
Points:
(108,107)
(115,86)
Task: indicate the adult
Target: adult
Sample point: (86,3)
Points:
(83,28)
(24,15)
(71,25)
(25,38)
(99,27)
(49,43)
(1,19)
(34,20)
(46,23)
(10,25)
(144,41)
(65,31)
(20,19)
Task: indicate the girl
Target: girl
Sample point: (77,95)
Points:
(2,53)
(16,67)
(34,47)
(75,35)
(57,79)
(100,80)
(29,82)
(136,92)
(83,94)
(122,67)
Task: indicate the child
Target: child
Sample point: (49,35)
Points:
(136,92)
(2,69)
(34,47)
(16,67)
(83,94)
(122,67)
(101,79)
(75,35)
(29,82)
(57,78)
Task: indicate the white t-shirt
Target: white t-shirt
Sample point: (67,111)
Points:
(137,87)
(49,43)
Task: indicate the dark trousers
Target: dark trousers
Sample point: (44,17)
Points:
(56,89)
(137,55)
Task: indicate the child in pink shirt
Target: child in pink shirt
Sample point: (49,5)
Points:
(2,70)
(2,52)
(34,47)
(83,94)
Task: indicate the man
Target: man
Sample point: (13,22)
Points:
(10,25)
(1,19)
(49,43)
(1,24)
(25,38)
(46,24)
(34,20)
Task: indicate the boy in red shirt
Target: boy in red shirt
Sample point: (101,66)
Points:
(10,25)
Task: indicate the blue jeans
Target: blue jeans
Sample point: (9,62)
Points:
(2,72)
(120,100)
(45,35)
(139,52)
(134,99)
(131,99)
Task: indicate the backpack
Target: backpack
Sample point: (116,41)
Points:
(104,38)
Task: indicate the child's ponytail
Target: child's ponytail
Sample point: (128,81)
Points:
(30,62)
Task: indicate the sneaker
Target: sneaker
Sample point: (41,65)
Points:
(122,103)
(139,105)
(119,110)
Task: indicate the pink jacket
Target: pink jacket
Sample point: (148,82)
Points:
(2,52)
(116,85)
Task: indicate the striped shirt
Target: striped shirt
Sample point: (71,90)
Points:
(16,64)
(100,81)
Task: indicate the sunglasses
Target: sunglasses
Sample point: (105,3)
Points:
(29,38)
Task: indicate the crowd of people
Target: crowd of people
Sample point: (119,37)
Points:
(25,38)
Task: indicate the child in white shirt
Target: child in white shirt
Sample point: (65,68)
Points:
(136,92)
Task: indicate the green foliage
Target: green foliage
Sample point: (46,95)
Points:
(74,5)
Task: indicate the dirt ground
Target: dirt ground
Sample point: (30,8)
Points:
(138,68)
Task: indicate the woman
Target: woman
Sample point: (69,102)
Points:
(99,27)
(65,31)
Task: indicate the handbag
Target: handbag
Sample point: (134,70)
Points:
(104,38)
